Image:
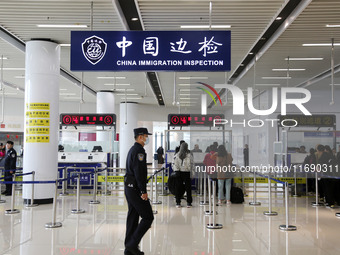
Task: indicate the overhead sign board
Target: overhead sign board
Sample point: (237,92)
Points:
(87,119)
(150,50)
(308,121)
(183,120)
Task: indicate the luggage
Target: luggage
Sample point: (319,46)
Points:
(175,184)
(236,195)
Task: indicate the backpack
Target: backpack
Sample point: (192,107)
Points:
(236,195)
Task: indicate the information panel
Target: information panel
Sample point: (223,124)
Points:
(309,121)
(88,119)
(150,50)
(182,120)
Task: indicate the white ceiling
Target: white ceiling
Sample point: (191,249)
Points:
(248,20)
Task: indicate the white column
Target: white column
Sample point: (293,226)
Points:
(128,122)
(41,117)
(105,104)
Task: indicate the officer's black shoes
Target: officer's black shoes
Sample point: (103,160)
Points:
(133,251)
(8,194)
(178,205)
(4,193)
(189,205)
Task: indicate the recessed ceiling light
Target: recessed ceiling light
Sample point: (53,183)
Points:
(205,26)
(111,77)
(277,78)
(13,69)
(251,53)
(320,44)
(124,89)
(61,26)
(303,59)
(67,94)
(192,77)
(278,18)
(267,85)
(112,84)
(286,69)
(332,25)
(65,45)
(4,58)
(134,19)
(131,98)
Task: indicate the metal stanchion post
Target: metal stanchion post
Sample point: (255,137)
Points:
(209,212)
(287,227)
(270,212)
(54,224)
(295,184)
(214,225)
(164,193)
(1,200)
(106,193)
(243,186)
(199,190)
(78,210)
(95,185)
(156,202)
(12,210)
(151,194)
(64,184)
(32,195)
(316,203)
(254,196)
(204,202)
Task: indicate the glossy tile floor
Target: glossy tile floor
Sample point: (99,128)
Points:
(101,229)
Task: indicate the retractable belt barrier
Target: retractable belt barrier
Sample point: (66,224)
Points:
(285,227)
(153,179)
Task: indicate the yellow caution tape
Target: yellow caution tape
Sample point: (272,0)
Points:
(121,179)
(290,180)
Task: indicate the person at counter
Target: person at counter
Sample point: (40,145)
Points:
(196,148)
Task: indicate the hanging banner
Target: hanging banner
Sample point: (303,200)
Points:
(150,50)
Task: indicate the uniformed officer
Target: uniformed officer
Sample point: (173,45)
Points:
(10,166)
(135,181)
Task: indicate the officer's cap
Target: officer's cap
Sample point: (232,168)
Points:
(141,131)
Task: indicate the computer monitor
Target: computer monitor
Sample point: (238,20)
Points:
(97,149)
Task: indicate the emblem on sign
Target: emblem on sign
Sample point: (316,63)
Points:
(94,49)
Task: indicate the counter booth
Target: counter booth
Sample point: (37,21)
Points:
(295,143)
(199,132)
(86,142)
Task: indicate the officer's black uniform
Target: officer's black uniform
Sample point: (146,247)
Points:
(135,185)
(10,164)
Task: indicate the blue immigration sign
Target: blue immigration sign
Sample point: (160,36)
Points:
(150,50)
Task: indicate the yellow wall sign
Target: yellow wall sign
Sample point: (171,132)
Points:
(290,180)
(38,131)
(38,114)
(38,122)
(38,106)
(37,139)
